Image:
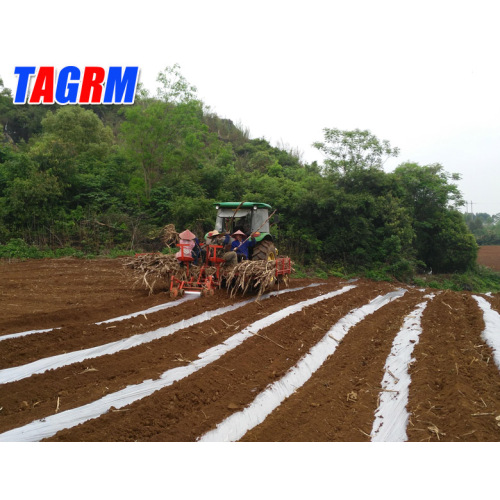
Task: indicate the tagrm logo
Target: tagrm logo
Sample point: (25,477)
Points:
(72,86)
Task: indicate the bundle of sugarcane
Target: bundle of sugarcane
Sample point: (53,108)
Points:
(250,273)
(169,237)
(150,268)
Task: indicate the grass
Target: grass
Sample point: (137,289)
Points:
(19,249)
(480,280)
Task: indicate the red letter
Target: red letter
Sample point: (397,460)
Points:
(43,87)
(92,80)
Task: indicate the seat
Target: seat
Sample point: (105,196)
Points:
(212,254)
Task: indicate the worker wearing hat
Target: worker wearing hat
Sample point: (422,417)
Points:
(190,246)
(212,237)
(216,238)
(242,244)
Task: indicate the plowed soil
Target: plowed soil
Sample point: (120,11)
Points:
(454,393)
(489,255)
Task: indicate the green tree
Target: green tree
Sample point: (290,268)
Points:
(174,86)
(20,122)
(484,227)
(443,241)
(167,139)
(28,196)
(162,138)
(74,146)
(347,150)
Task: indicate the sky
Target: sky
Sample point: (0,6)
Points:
(423,75)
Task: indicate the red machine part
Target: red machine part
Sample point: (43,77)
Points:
(283,266)
(206,285)
(200,283)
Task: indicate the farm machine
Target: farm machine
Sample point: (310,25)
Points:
(252,219)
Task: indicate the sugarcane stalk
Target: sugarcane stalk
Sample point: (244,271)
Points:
(234,215)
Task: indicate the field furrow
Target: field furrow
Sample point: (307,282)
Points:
(79,383)
(194,405)
(85,356)
(339,402)
(455,389)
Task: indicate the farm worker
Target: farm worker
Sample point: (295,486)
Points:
(196,251)
(216,238)
(211,238)
(241,244)
(188,240)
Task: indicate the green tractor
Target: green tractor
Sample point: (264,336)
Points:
(249,218)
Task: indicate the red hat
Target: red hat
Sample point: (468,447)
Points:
(187,235)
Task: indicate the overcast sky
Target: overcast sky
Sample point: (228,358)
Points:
(424,75)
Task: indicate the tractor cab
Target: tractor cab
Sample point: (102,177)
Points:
(249,218)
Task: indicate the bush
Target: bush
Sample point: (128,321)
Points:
(17,248)
(299,271)
(403,270)
(321,274)
(378,274)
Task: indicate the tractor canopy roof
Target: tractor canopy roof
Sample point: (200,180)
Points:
(238,204)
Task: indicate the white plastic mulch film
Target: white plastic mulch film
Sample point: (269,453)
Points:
(391,416)
(238,424)
(23,334)
(40,429)
(491,332)
(112,320)
(42,365)
(153,309)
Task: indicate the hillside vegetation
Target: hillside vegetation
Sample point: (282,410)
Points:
(484,227)
(97,179)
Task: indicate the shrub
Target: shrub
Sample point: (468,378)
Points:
(17,248)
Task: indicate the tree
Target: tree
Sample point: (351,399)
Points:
(20,122)
(167,138)
(28,196)
(443,241)
(6,107)
(174,87)
(163,138)
(484,227)
(348,150)
(74,146)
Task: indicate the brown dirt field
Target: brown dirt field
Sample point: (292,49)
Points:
(489,255)
(454,392)
(457,385)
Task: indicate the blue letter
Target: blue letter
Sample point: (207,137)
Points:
(63,85)
(24,73)
(116,85)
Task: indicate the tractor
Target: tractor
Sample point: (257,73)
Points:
(249,218)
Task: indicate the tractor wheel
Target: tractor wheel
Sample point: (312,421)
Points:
(265,250)
(174,293)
